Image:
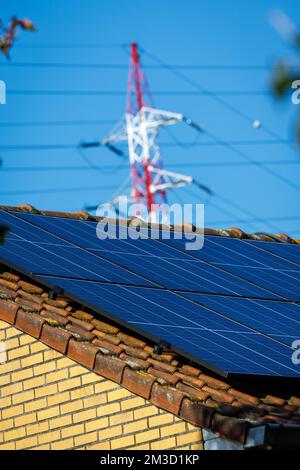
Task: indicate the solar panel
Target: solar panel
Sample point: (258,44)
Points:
(280,320)
(284,251)
(219,343)
(145,284)
(39,252)
(158,262)
(270,272)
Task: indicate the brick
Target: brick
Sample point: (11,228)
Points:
(94,400)
(48,413)
(163,444)
(35,405)
(45,391)
(132,403)
(109,367)
(37,428)
(63,362)
(96,424)
(8,446)
(72,430)
(38,347)
(166,398)
(55,338)
(122,443)
(99,446)
(19,352)
(30,360)
(89,378)
(34,382)
(58,398)
(84,415)
(57,376)
(63,445)
(82,392)
(24,339)
(173,429)
(68,384)
(5,402)
(107,410)
(76,370)
(10,366)
(23,397)
(121,418)
(105,385)
(60,422)
(71,406)
(147,436)
(45,368)
(165,418)
(12,343)
(117,394)
(83,353)
(190,437)
(232,428)
(196,413)
(135,426)
(145,411)
(49,437)
(85,439)
(6,424)
(14,434)
(25,419)
(27,442)
(12,389)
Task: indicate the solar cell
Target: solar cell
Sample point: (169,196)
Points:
(280,320)
(207,338)
(285,251)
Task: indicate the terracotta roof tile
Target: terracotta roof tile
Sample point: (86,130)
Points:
(230,427)
(8,311)
(106,347)
(196,413)
(163,377)
(110,367)
(166,397)
(80,333)
(85,325)
(110,338)
(138,383)
(84,353)
(62,321)
(105,327)
(134,362)
(191,392)
(135,352)
(30,323)
(56,338)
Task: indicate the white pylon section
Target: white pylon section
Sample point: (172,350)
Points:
(149,178)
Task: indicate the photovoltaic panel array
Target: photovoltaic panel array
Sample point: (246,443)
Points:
(204,303)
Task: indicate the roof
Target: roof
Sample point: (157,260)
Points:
(167,380)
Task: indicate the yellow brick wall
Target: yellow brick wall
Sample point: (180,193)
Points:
(47,401)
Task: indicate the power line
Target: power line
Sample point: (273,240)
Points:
(123,93)
(54,190)
(172,165)
(112,66)
(210,93)
(58,123)
(216,142)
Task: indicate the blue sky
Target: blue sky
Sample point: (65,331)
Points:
(220,33)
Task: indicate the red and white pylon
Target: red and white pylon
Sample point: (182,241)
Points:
(150,181)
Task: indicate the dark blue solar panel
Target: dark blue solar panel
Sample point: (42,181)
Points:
(280,320)
(203,335)
(270,272)
(39,252)
(158,262)
(285,251)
